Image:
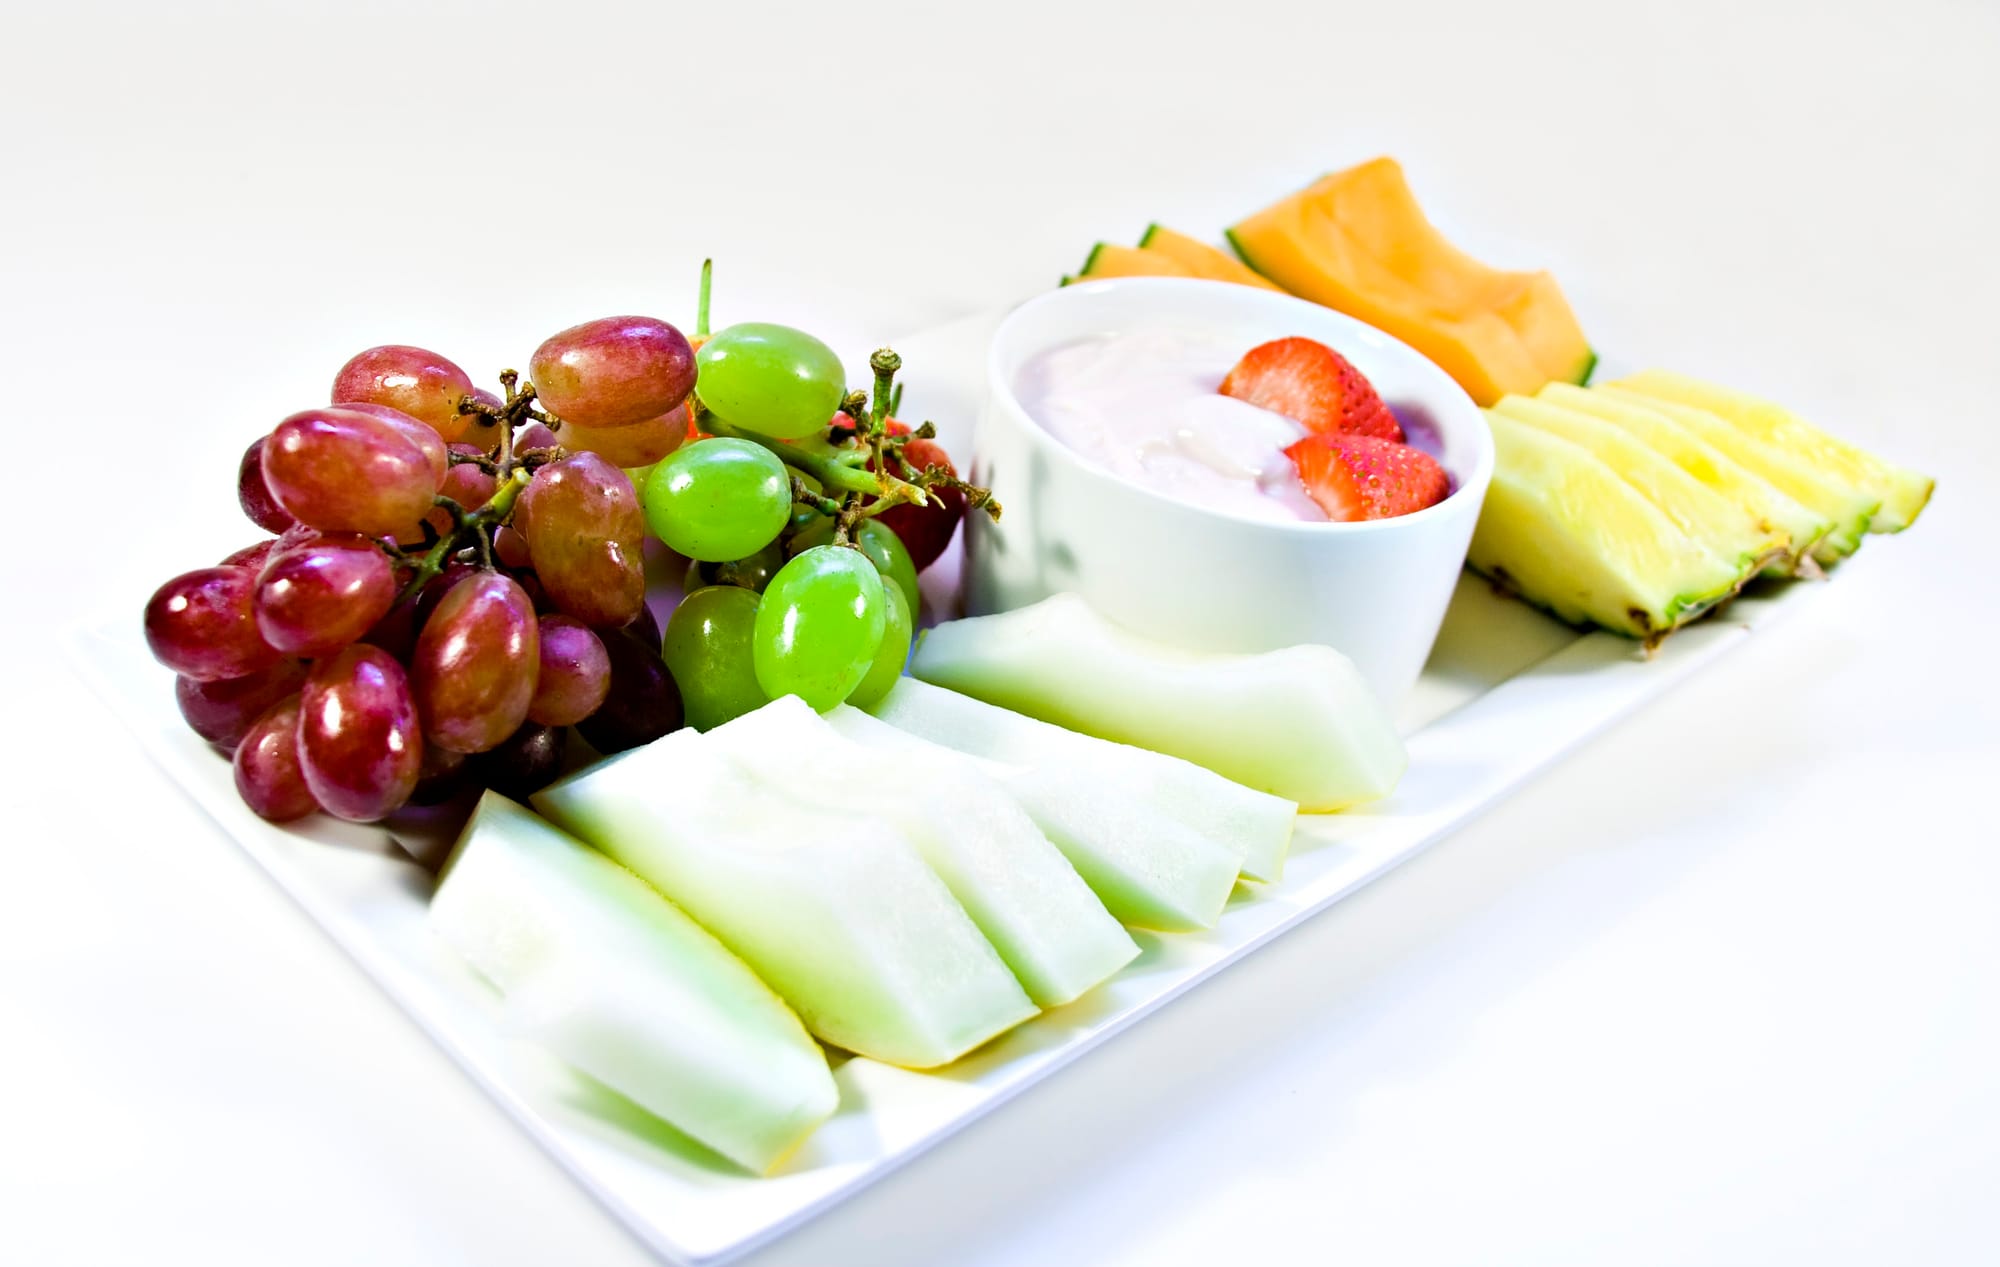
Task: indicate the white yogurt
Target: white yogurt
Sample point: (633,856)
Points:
(1144,406)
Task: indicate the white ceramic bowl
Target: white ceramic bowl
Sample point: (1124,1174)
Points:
(1198,578)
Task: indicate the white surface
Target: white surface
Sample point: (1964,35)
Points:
(1374,590)
(1720,989)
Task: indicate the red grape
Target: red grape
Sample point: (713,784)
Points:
(614,371)
(443,774)
(525,762)
(252,556)
(255,496)
(268,773)
(315,599)
(221,711)
(422,384)
(581,521)
(575,673)
(643,704)
(396,632)
(359,744)
(511,548)
(430,442)
(465,483)
(476,664)
(534,436)
(202,624)
(343,471)
(641,444)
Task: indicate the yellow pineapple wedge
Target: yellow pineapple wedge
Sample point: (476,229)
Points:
(1568,533)
(1851,508)
(1903,493)
(1803,526)
(1726,527)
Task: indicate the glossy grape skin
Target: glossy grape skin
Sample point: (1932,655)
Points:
(718,499)
(525,762)
(575,673)
(770,379)
(580,519)
(434,447)
(707,649)
(360,747)
(882,546)
(643,704)
(251,556)
(266,765)
(420,383)
(819,626)
(340,470)
(203,625)
(511,548)
(893,654)
(641,444)
(255,496)
(613,372)
(222,711)
(752,572)
(313,600)
(476,664)
(532,436)
(465,483)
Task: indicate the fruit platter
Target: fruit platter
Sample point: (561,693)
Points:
(754,761)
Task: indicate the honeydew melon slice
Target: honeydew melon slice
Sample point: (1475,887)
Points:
(1564,531)
(1902,492)
(1018,888)
(1300,723)
(618,982)
(1705,515)
(1159,840)
(837,912)
(1852,509)
(1802,526)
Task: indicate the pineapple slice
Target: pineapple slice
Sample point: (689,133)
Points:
(1569,534)
(1802,526)
(1902,492)
(1851,508)
(1724,526)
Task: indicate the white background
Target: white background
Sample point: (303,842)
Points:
(1721,989)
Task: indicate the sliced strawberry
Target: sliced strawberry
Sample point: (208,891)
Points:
(1313,385)
(1361,477)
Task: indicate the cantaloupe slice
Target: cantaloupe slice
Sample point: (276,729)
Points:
(1159,840)
(837,912)
(1851,508)
(1724,526)
(1107,259)
(1802,526)
(1566,532)
(617,981)
(1902,492)
(1022,893)
(1201,259)
(1301,723)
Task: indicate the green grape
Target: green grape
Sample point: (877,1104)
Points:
(878,541)
(707,649)
(773,380)
(894,654)
(820,626)
(717,500)
(752,572)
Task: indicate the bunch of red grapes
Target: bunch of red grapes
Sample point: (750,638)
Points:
(448,591)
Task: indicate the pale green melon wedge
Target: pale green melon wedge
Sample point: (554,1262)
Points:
(1724,526)
(1803,527)
(1159,840)
(1852,509)
(1902,492)
(837,912)
(615,980)
(1017,887)
(1300,723)
(1566,532)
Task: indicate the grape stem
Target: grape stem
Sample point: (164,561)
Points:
(701,302)
(830,474)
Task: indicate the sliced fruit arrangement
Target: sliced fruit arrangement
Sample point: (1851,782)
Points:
(1358,241)
(618,982)
(1643,504)
(1300,723)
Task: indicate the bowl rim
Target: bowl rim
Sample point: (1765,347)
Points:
(1002,390)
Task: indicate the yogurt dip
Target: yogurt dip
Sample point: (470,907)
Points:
(1145,407)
